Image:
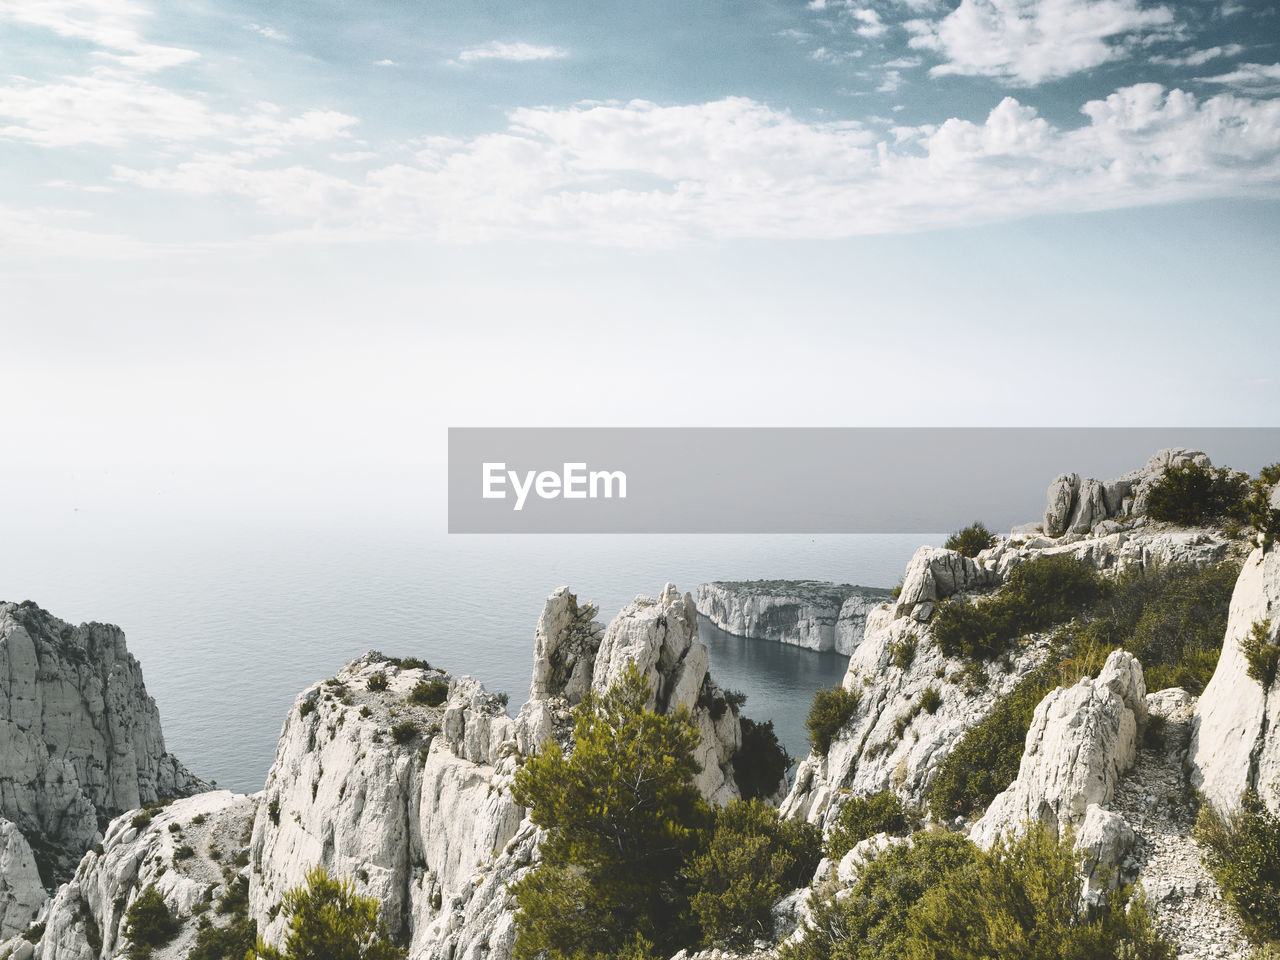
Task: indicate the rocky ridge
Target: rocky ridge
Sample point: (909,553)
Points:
(82,742)
(804,613)
(890,742)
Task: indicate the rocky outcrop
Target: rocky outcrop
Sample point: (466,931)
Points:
(1235,744)
(405,797)
(936,573)
(804,613)
(414,801)
(80,736)
(21,892)
(1077,506)
(1082,739)
(190,852)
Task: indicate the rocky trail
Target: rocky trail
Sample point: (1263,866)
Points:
(1157,801)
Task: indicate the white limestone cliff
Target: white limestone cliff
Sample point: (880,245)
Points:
(428,825)
(80,737)
(803,613)
(1235,742)
(186,851)
(21,892)
(890,742)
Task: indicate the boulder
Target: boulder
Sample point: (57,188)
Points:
(1081,740)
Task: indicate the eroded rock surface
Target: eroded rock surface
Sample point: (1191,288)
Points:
(80,737)
(1236,741)
(803,613)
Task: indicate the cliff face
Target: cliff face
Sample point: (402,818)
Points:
(80,736)
(804,613)
(423,817)
(187,851)
(1236,742)
(890,743)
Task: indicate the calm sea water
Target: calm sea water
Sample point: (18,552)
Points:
(230,626)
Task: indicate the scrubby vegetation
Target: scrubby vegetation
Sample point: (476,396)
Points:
(1194,495)
(971,541)
(942,898)
(832,708)
(1039,594)
(986,758)
(1262,655)
(622,818)
(406,731)
(752,858)
(429,693)
(635,863)
(377,682)
(329,921)
(1242,849)
(1171,618)
(148,924)
(902,653)
(864,817)
(761,762)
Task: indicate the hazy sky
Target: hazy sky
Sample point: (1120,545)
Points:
(262,255)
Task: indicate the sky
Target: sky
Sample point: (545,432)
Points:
(259,256)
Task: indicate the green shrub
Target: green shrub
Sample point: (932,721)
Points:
(306,707)
(148,924)
(752,859)
(230,942)
(1172,618)
(1038,594)
(930,699)
(1269,475)
(273,810)
(622,818)
(413,663)
(377,682)
(1262,516)
(141,820)
(184,852)
(429,693)
(864,817)
(761,762)
(902,653)
(1242,849)
(1262,654)
(986,758)
(1193,495)
(406,731)
(941,898)
(329,921)
(832,708)
(870,924)
(971,541)
(1023,899)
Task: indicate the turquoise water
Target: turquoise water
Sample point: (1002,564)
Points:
(230,625)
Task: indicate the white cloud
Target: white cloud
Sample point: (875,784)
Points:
(869,23)
(643,174)
(111,109)
(1031,41)
(271,33)
(1198,58)
(514,52)
(891,82)
(1257,77)
(112,25)
(385,63)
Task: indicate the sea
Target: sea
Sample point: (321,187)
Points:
(231,625)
